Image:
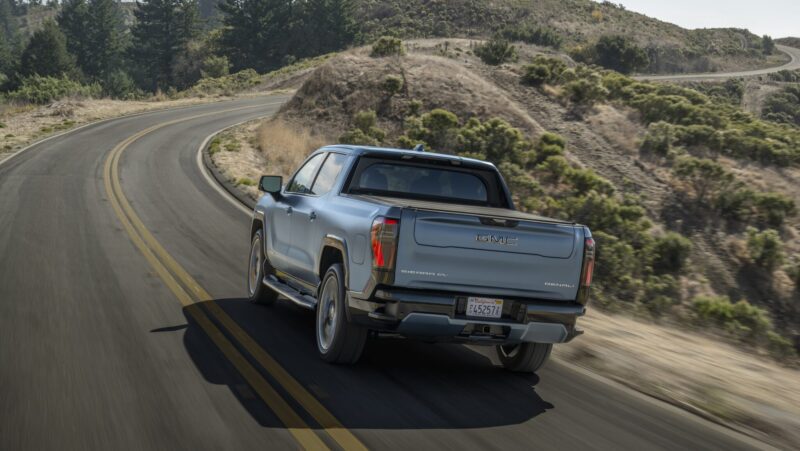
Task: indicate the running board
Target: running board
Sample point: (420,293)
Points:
(290,293)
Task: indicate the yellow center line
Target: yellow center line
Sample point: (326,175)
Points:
(168,269)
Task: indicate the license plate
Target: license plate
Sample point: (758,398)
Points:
(484,307)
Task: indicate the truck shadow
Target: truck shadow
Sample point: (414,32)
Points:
(398,384)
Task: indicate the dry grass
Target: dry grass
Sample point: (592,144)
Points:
(27,123)
(285,146)
(694,371)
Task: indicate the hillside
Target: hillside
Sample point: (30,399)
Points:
(569,24)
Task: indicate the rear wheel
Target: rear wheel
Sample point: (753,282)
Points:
(338,341)
(258,293)
(524,357)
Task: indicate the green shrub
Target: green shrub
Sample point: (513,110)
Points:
(536,75)
(366,132)
(215,67)
(532,35)
(246,182)
(387,46)
(661,293)
(741,318)
(555,168)
(496,51)
(585,180)
(497,140)
(215,145)
(619,53)
(585,91)
(670,252)
(119,85)
(41,90)
(765,248)
(392,85)
(227,84)
(704,179)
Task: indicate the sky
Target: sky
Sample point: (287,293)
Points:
(777,18)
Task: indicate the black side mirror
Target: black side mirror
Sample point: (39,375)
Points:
(271,184)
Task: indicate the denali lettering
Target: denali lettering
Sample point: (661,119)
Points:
(497,239)
(559,285)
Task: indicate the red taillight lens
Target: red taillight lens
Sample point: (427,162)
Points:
(588,262)
(384,242)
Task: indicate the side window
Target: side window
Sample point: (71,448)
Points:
(301,183)
(329,173)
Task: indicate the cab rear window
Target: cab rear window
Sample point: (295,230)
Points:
(426,181)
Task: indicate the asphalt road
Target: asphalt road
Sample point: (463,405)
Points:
(122,326)
(793,64)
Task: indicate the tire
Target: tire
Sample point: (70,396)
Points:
(524,357)
(338,341)
(257,292)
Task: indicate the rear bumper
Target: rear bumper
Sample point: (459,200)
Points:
(439,316)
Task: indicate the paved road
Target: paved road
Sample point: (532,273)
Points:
(122,326)
(793,64)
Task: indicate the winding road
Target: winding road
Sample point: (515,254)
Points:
(793,64)
(122,326)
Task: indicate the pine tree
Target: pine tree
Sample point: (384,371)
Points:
(105,36)
(74,23)
(46,53)
(162,31)
(257,33)
(328,25)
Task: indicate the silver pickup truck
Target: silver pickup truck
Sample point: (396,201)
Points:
(421,245)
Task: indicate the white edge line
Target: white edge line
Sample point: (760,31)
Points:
(210,178)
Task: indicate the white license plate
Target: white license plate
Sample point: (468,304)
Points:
(484,307)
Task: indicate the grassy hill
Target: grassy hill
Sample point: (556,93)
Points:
(578,22)
(575,23)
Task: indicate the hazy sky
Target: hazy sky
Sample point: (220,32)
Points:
(777,18)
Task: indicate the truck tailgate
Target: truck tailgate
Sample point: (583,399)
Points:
(479,251)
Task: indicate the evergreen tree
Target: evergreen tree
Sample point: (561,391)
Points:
(74,23)
(8,23)
(105,39)
(328,26)
(46,53)
(162,32)
(257,33)
(6,60)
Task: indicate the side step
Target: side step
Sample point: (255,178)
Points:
(290,293)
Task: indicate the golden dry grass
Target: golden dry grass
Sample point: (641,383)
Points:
(285,145)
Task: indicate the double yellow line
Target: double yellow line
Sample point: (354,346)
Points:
(190,293)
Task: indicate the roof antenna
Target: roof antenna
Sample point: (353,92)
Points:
(419,148)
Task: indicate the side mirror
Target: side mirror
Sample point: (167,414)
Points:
(271,184)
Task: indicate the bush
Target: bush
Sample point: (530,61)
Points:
(496,140)
(619,53)
(585,91)
(704,179)
(536,74)
(366,133)
(532,35)
(660,294)
(392,85)
(496,51)
(741,319)
(227,84)
(215,67)
(42,90)
(765,248)
(387,46)
(670,253)
(119,85)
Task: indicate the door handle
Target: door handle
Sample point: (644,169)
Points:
(289,210)
(312,216)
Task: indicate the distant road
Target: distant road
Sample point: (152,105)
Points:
(123,325)
(793,53)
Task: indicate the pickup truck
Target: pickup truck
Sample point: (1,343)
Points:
(420,245)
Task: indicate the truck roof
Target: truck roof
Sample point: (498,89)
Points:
(391,152)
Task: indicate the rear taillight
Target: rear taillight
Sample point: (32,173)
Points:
(587,270)
(384,243)
(588,262)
